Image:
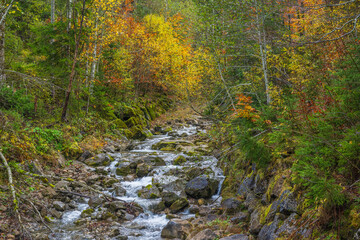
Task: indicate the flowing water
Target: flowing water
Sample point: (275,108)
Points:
(147,226)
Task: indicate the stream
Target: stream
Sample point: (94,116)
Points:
(147,225)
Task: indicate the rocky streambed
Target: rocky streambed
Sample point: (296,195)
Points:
(152,189)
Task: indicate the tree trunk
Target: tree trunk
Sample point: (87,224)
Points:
(2,52)
(52,11)
(69,14)
(72,74)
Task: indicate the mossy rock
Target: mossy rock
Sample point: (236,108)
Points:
(120,124)
(87,212)
(179,205)
(164,144)
(179,160)
(138,133)
(133,121)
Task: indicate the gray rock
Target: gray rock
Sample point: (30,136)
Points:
(176,228)
(274,208)
(288,226)
(125,168)
(149,192)
(246,186)
(142,170)
(102,159)
(231,205)
(201,187)
(96,201)
(288,203)
(62,185)
(92,179)
(251,202)
(179,205)
(169,198)
(85,155)
(206,234)
(154,161)
(59,206)
(119,190)
(55,213)
(240,217)
(267,232)
(116,205)
(255,225)
(236,237)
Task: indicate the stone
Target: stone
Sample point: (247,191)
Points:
(119,190)
(85,155)
(236,237)
(231,205)
(255,225)
(206,234)
(288,227)
(271,210)
(246,186)
(59,206)
(115,205)
(87,213)
(179,205)
(169,198)
(149,192)
(92,179)
(288,203)
(251,202)
(142,170)
(267,232)
(276,190)
(96,201)
(102,159)
(179,160)
(109,181)
(55,213)
(62,185)
(201,187)
(240,217)
(157,208)
(125,168)
(154,161)
(101,171)
(176,228)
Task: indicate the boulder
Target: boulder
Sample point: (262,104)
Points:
(179,160)
(142,170)
(85,155)
(255,225)
(96,201)
(206,234)
(169,198)
(288,227)
(231,205)
(102,159)
(55,213)
(115,206)
(176,228)
(149,192)
(59,206)
(179,205)
(154,161)
(267,232)
(119,190)
(201,187)
(247,185)
(236,237)
(125,168)
(288,203)
(251,202)
(240,217)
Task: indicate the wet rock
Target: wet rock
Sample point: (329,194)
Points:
(96,201)
(169,198)
(176,228)
(55,213)
(142,170)
(206,234)
(101,171)
(87,213)
(255,225)
(157,208)
(240,217)
(125,168)
(179,160)
(247,185)
(231,205)
(119,190)
(102,159)
(154,161)
(109,181)
(85,155)
(116,205)
(149,192)
(194,172)
(175,186)
(236,237)
(59,206)
(267,232)
(179,205)
(201,187)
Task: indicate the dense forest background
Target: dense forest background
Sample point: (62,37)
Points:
(281,79)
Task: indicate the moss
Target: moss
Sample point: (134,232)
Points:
(179,160)
(120,124)
(149,186)
(265,211)
(49,219)
(168,129)
(87,211)
(153,196)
